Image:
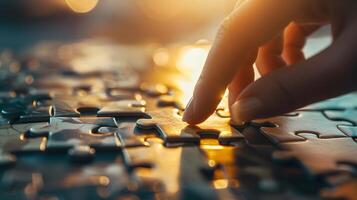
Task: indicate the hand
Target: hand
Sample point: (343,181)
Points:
(272,33)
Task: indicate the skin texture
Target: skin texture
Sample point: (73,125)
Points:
(272,33)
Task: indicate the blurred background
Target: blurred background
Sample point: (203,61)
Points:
(129,21)
(147,35)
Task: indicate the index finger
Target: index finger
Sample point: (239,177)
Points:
(250,25)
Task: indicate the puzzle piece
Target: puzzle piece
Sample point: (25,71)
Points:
(13,139)
(25,108)
(66,132)
(172,129)
(147,162)
(7,160)
(287,127)
(81,154)
(37,114)
(169,101)
(121,94)
(126,134)
(351,131)
(75,106)
(123,108)
(154,90)
(319,156)
(62,109)
(346,115)
(338,103)
(194,178)
(67,106)
(4,123)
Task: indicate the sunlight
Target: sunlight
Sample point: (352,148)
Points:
(82,6)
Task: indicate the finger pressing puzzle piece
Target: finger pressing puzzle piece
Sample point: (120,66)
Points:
(172,129)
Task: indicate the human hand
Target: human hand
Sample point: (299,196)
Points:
(272,33)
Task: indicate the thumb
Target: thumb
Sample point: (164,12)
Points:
(328,74)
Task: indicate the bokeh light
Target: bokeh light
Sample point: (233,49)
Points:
(82,6)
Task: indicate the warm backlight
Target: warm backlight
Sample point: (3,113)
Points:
(82,6)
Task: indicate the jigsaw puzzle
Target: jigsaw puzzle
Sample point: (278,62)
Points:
(115,132)
(286,128)
(172,129)
(330,153)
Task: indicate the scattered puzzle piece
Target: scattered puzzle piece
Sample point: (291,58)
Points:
(319,156)
(172,129)
(287,127)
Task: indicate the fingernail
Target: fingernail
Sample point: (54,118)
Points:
(245,109)
(189,110)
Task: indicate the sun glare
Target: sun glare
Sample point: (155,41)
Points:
(82,6)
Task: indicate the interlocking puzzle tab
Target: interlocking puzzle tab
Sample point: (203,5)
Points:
(94,105)
(66,132)
(126,134)
(13,139)
(287,127)
(172,129)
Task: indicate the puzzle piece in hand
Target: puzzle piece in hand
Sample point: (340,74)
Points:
(172,129)
(320,156)
(347,115)
(66,132)
(287,127)
(12,139)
